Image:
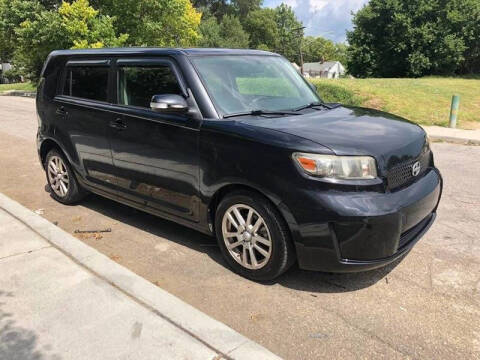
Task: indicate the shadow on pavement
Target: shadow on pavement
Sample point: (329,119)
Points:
(318,282)
(17,343)
(309,281)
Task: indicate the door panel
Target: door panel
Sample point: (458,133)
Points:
(84,114)
(156,162)
(155,155)
(86,128)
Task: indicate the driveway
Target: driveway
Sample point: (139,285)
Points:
(425,306)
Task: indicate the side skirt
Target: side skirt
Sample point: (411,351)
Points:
(118,198)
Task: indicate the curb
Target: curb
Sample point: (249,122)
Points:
(31,94)
(455,136)
(454,140)
(212,333)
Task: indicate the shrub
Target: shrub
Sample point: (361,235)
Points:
(331,92)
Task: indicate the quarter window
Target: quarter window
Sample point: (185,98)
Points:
(137,85)
(87,82)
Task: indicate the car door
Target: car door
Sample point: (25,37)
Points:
(155,154)
(83,116)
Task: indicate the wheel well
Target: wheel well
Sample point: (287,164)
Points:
(46,146)
(224,191)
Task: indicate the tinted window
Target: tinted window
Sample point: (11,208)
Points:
(87,82)
(137,85)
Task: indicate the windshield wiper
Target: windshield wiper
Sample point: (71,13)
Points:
(260,113)
(313,105)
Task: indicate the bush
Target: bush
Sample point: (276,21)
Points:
(333,93)
(12,76)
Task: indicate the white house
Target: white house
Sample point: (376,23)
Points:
(328,69)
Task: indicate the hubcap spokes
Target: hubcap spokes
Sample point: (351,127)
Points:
(58,176)
(246,236)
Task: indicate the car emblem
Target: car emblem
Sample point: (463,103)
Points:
(416,168)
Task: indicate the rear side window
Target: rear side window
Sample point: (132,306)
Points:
(137,85)
(87,82)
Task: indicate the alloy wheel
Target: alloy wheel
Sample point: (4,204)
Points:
(246,236)
(58,176)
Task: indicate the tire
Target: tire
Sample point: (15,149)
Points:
(69,192)
(275,258)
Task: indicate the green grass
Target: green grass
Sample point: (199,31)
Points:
(425,100)
(18,86)
(266,86)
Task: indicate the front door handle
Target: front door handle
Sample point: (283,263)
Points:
(118,124)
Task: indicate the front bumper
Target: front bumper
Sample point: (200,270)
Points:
(369,230)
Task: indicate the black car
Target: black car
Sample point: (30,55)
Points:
(237,144)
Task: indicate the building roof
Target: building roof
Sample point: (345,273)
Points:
(319,67)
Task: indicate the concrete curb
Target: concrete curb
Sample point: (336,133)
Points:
(454,140)
(30,94)
(226,341)
(456,136)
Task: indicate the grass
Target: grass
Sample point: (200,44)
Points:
(266,86)
(425,100)
(18,86)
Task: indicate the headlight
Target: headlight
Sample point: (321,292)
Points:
(337,167)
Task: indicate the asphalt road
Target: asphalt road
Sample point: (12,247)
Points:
(425,306)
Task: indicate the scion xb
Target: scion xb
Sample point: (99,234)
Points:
(238,145)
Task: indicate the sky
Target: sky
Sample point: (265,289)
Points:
(328,18)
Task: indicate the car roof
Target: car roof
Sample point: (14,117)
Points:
(160,51)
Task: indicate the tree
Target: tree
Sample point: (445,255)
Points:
(154,22)
(318,49)
(415,38)
(209,31)
(262,28)
(12,14)
(232,33)
(243,7)
(289,32)
(73,25)
(341,51)
(217,8)
(228,33)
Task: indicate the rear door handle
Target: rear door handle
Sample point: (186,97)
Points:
(61,111)
(118,124)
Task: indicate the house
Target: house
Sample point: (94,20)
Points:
(328,69)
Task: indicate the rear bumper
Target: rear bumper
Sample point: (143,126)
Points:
(369,230)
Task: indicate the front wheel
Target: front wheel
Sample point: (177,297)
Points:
(253,236)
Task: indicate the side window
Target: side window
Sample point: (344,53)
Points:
(137,85)
(87,82)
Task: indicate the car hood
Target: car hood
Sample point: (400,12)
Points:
(353,131)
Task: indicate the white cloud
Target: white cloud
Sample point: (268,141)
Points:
(292,3)
(328,18)
(317,5)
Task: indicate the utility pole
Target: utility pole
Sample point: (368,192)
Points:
(300,32)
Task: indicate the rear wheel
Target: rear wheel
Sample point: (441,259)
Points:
(61,179)
(253,237)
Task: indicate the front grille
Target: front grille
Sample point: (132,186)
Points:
(401,175)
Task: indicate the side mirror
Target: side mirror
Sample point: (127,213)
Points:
(168,103)
(312,86)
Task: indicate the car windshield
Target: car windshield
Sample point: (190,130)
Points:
(241,84)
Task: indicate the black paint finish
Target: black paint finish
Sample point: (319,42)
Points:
(178,165)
